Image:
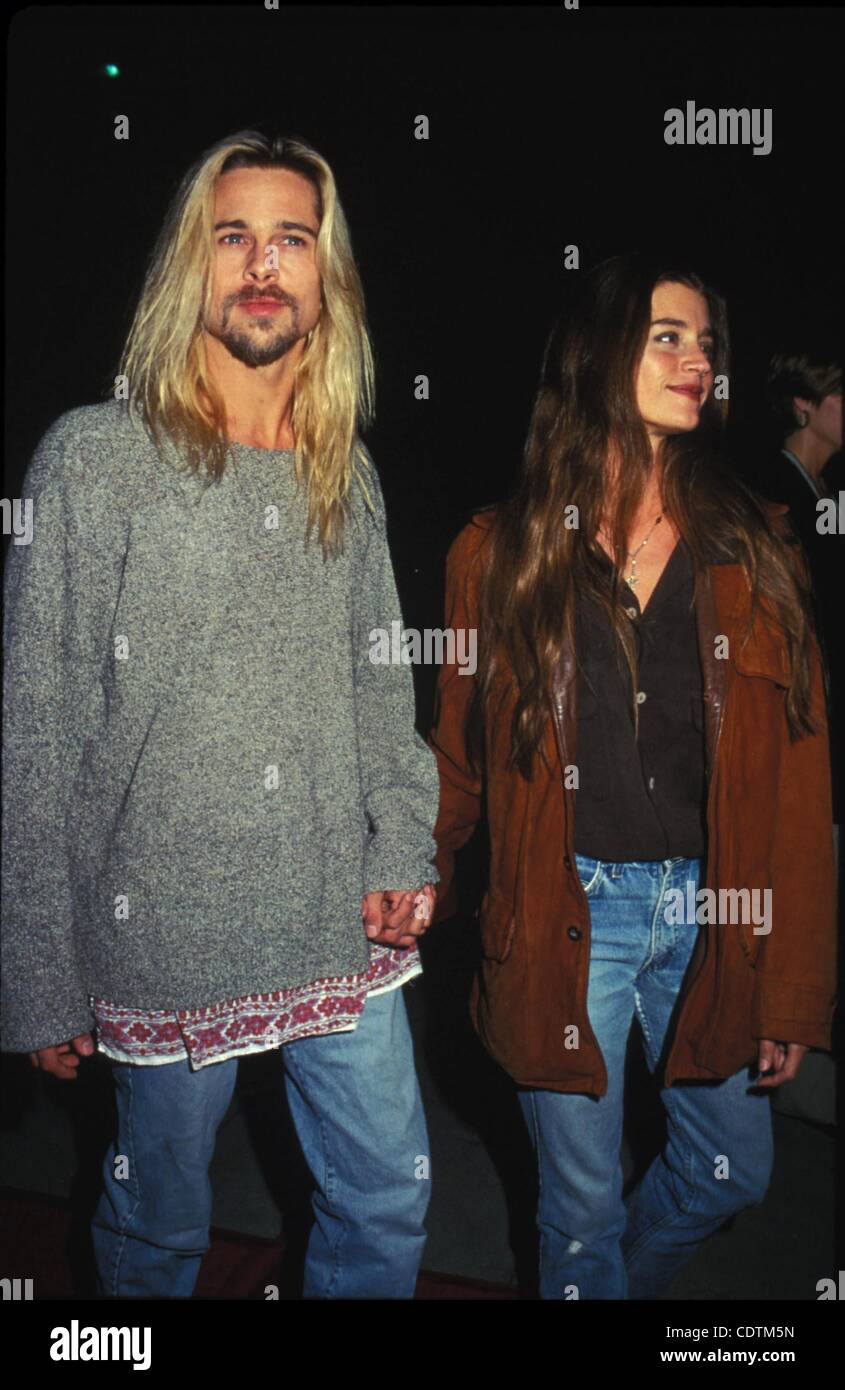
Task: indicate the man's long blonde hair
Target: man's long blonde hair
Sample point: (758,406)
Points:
(164,357)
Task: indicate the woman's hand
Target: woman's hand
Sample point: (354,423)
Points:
(396,918)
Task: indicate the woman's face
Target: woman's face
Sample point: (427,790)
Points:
(675,373)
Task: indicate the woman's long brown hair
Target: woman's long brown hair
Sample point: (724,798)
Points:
(585,415)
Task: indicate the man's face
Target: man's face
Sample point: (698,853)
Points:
(675,373)
(828,421)
(259,312)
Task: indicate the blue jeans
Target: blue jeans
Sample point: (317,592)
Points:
(355,1101)
(718,1154)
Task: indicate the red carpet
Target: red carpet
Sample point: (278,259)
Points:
(35,1240)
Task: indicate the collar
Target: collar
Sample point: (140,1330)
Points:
(803,471)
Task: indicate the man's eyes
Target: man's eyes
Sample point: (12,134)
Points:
(291,236)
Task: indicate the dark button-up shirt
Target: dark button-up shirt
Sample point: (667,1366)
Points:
(642,797)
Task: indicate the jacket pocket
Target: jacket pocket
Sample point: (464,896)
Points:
(765,654)
(497,922)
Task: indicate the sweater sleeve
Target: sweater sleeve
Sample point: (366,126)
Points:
(398,770)
(56,618)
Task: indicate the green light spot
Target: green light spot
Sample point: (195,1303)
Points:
(112,70)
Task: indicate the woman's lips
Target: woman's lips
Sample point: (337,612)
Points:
(690,391)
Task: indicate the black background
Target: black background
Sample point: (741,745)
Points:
(546,129)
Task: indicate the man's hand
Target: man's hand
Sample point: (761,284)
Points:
(779,1061)
(62,1061)
(398,919)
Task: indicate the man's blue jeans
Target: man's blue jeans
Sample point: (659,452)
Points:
(355,1101)
(718,1154)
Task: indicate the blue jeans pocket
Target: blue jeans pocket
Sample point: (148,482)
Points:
(589,872)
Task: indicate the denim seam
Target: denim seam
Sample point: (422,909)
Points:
(689,1155)
(684,1207)
(537,1148)
(652,930)
(668,1101)
(643,1021)
(330,1179)
(120,1244)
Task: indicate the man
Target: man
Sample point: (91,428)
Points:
(213,797)
(805,398)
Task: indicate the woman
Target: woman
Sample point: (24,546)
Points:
(636,603)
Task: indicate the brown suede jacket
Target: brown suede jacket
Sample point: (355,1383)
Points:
(768,826)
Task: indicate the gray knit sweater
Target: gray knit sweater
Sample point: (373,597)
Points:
(203,770)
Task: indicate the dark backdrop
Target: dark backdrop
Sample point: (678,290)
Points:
(546,130)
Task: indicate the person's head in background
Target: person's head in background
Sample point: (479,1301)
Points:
(805,395)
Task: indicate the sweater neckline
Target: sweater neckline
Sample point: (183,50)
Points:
(253,449)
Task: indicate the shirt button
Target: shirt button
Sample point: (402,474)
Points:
(640,696)
(567,861)
(632,612)
(651,784)
(574,933)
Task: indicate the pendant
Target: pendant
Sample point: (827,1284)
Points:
(633,582)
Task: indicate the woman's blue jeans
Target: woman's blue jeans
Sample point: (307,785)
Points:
(355,1101)
(718,1155)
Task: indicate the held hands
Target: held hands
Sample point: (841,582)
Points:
(398,919)
(778,1061)
(392,918)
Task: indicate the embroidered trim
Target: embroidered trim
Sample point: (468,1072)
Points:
(252,1023)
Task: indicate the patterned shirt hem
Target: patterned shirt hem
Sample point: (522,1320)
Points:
(249,1025)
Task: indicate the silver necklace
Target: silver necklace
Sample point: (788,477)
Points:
(633,578)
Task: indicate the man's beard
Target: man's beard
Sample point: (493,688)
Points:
(259,349)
